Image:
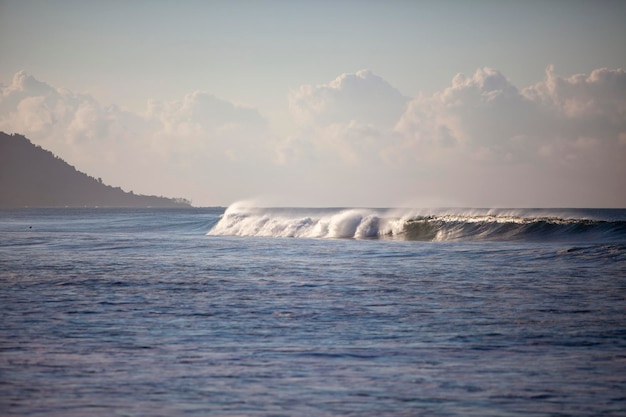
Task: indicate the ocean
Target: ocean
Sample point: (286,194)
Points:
(312,312)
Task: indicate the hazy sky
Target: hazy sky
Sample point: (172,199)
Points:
(318,103)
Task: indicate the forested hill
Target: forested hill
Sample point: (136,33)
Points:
(33,177)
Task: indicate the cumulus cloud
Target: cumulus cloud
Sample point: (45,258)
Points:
(483,114)
(362,97)
(478,134)
(480,141)
(36,109)
(347,116)
(488,118)
(201,122)
(582,106)
(200,112)
(199,133)
(599,95)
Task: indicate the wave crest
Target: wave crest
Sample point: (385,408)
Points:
(442,225)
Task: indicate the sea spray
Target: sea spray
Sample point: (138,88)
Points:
(240,219)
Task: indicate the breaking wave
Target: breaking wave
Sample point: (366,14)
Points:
(423,225)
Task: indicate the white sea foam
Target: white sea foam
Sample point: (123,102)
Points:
(242,219)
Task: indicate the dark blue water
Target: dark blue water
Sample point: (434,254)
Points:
(139,312)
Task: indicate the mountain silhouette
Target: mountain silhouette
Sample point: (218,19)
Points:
(34,177)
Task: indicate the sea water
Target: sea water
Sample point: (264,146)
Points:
(312,312)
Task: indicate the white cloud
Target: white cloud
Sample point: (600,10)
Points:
(345,118)
(486,117)
(36,109)
(362,97)
(200,112)
(176,142)
(582,105)
(483,115)
(203,123)
(480,139)
(357,140)
(600,94)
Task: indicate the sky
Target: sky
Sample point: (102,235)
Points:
(327,103)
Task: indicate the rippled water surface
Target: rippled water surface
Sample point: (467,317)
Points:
(139,312)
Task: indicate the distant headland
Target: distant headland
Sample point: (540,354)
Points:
(34,177)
